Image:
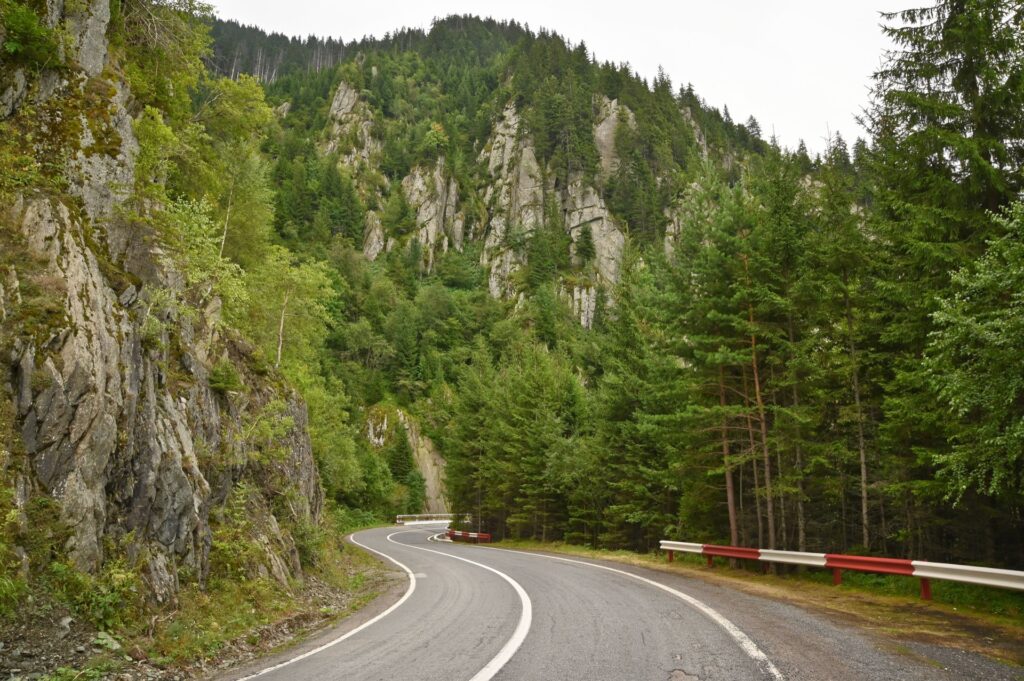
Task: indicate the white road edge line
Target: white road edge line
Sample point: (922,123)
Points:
(748,646)
(522,628)
(364,625)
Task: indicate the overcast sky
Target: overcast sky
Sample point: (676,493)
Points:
(801,67)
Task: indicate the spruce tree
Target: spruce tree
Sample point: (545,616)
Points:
(949,144)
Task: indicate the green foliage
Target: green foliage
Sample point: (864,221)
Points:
(157,145)
(979,336)
(163,42)
(190,228)
(398,218)
(234,552)
(264,433)
(224,377)
(109,600)
(399,454)
(21,170)
(27,41)
(585,250)
(435,141)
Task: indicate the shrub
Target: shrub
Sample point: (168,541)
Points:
(108,600)
(224,377)
(26,40)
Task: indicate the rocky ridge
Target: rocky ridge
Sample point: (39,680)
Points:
(515,191)
(113,402)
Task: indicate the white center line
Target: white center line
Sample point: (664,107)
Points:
(522,628)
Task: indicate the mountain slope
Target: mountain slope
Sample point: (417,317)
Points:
(681,287)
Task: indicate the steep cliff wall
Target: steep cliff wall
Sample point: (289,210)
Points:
(110,385)
(382,427)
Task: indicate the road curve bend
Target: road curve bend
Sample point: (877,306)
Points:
(474,613)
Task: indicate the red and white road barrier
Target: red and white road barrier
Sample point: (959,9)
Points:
(475,537)
(837,562)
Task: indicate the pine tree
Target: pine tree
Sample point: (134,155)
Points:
(399,454)
(949,144)
(980,338)
(585,250)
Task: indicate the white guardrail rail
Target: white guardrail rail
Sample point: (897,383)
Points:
(837,562)
(423,518)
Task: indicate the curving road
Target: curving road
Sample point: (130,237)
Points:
(474,613)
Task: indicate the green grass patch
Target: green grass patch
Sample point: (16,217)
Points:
(206,620)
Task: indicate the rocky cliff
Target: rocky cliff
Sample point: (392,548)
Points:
(514,190)
(382,427)
(117,417)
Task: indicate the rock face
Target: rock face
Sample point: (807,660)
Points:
(610,112)
(430,464)
(584,304)
(698,134)
(351,128)
(516,195)
(381,429)
(435,199)
(118,419)
(515,200)
(585,208)
(516,190)
(374,238)
(102,180)
(87,23)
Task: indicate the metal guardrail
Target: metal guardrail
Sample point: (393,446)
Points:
(407,519)
(837,562)
(475,537)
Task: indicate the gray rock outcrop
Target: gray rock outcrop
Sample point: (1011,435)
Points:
(515,200)
(118,421)
(584,207)
(351,128)
(435,199)
(610,114)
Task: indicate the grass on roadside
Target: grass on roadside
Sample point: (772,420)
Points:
(238,613)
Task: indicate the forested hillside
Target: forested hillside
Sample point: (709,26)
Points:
(621,316)
(256,291)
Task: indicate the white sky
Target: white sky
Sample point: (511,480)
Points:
(801,67)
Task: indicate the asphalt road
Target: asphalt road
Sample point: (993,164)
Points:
(473,613)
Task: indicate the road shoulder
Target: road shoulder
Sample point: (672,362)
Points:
(934,634)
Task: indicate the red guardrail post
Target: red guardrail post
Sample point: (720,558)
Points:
(837,576)
(671,555)
(926,589)
(711,562)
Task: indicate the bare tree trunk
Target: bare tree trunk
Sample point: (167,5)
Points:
(801,526)
(862,448)
(885,532)
(743,516)
(782,500)
(227,218)
(762,418)
(280,330)
(842,501)
(730,493)
(757,497)
(753,461)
